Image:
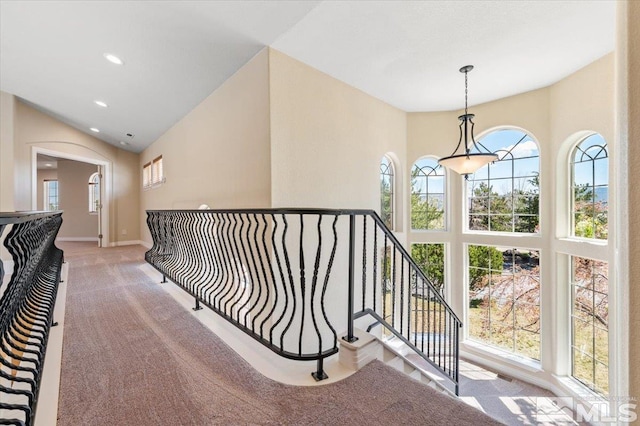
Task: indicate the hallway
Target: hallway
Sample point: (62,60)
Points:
(131,355)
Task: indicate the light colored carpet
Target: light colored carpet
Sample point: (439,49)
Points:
(133,356)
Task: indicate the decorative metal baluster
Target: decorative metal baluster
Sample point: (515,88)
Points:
(319,374)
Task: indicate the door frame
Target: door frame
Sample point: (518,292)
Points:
(105,184)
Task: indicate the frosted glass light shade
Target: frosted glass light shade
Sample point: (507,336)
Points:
(465,164)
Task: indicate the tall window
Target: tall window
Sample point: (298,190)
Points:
(504,196)
(51,195)
(590,182)
(427,195)
(430,259)
(94,193)
(504,298)
(386,192)
(590,323)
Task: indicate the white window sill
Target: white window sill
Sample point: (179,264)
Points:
(506,234)
(503,357)
(590,241)
(154,185)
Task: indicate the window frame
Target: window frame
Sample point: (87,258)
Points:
(489,344)
(571,186)
(392,189)
(47,195)
(437,171)
(153,173)
(94,199)
(467,198)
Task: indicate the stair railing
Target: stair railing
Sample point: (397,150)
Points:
(26,310)
(409,307)
(286,277)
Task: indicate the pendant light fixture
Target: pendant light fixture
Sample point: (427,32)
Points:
(467,162)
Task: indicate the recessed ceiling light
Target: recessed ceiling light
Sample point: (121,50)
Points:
(100,103)
(123,143)
(49,165)
(93,129)
(113,59)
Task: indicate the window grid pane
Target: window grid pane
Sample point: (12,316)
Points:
(428,197)
(387,192)
(589,323)
(590,183)
(504,196)
(51,195)
(504,298)
(94,193)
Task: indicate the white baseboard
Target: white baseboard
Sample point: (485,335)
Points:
(91,239)
(128,243)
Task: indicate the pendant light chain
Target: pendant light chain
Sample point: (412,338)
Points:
(466,91)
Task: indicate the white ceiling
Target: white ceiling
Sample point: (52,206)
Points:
(176,53)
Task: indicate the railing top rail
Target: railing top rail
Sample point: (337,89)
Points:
(7,218)
(285,210)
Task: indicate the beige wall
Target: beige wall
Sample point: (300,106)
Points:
(7,126)
(219,153)
(73,193)
(44,174)
(633,214)
(32,128)
(327,139)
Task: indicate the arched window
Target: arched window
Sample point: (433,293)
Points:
(387,192)
(504,196)
(427,195)
(94,192)
(590,188)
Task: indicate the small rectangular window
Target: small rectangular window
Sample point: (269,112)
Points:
(50,195)
(153,173)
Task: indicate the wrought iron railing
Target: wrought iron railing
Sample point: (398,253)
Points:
(26,310)
(294,278)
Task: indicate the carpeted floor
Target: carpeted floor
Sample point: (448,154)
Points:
(133,356)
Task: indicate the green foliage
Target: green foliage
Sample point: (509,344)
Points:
(425,213)
(590,216)
(430,259)
(482,260)
(386,203)
(515,211)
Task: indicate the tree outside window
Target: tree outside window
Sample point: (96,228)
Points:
(387,192)
(427,195)
(590,182)
(504,196)
(590,323)
(504,298)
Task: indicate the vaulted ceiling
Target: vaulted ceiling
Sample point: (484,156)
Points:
(176,53)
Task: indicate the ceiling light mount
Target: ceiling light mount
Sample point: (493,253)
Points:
(467,162)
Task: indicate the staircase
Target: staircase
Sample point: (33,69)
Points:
(393,352)
(289,278)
